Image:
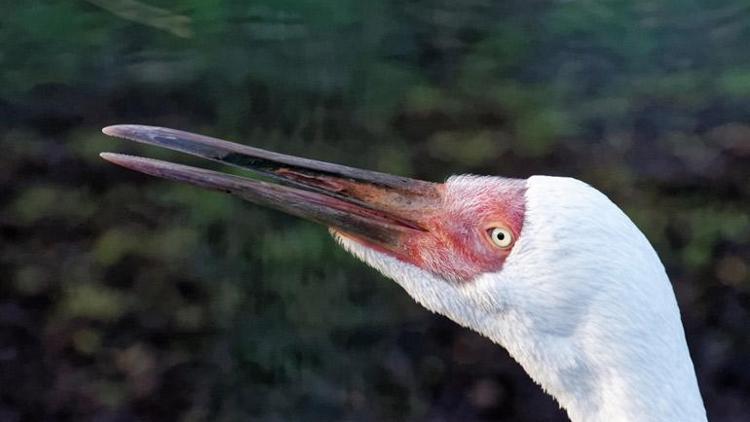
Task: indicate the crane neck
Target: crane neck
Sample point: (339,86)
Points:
(594,321)
(601,368)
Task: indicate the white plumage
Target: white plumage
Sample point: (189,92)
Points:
(582,303)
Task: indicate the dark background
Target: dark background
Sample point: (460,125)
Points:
(123,297)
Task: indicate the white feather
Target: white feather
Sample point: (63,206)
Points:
(582,303)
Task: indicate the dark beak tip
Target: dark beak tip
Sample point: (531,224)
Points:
(132,162)
(109,156)
(117,159)
(128,131)
(115,130)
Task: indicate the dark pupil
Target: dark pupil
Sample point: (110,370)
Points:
(500,236)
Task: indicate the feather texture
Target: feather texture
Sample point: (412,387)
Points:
(582,302)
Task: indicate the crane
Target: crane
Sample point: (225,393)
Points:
(547,267)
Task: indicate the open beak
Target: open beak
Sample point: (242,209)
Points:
(375,208)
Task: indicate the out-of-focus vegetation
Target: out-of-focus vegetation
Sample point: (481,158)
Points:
(128,298)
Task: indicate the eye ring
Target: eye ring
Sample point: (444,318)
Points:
(500,237)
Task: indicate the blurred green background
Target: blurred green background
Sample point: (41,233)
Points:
(127,298)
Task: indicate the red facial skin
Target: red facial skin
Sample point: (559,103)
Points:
(456,245)
(441,228)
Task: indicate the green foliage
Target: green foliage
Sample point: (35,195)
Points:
(41,202)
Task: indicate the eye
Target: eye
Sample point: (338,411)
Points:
(500,237)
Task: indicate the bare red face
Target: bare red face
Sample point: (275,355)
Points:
(470,233)
(468,230)
(456,230)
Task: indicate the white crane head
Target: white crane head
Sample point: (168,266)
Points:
(547,267)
